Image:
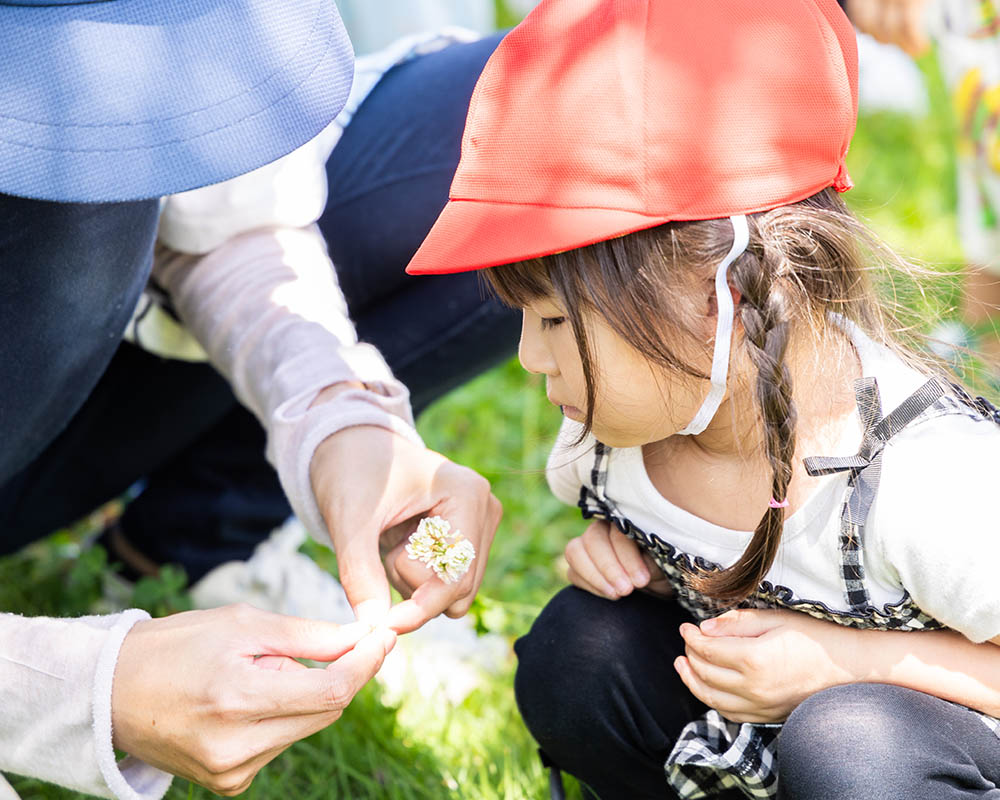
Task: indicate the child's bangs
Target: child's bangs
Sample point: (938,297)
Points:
(521,283)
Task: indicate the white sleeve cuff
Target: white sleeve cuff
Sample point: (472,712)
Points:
(297,430)
(129,779)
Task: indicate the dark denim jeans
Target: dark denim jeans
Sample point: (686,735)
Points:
(596,686)
(71,274)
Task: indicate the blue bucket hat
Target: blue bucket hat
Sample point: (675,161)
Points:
(129,99)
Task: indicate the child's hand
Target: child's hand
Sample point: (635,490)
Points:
(607,563)
(756,666)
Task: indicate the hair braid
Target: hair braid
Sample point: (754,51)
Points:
(765,313)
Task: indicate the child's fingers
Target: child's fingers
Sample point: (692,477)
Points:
(731,706)
(579,560)
(630,557)
(732,652)
(659,583)
(597,542)
(574,577)
(719,678)
(744,622)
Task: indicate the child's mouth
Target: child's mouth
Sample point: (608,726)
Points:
(572,412)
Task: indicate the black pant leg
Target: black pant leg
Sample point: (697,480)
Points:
(389,178)
(880,742)
(597,689)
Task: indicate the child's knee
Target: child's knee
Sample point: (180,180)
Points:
(857,742)
(569,665)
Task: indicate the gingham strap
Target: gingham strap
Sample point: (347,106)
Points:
(866,471)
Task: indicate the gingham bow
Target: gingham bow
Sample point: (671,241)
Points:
(866,466)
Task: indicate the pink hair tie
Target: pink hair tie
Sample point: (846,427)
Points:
(775,504)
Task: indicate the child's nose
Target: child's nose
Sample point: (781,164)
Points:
(532,351)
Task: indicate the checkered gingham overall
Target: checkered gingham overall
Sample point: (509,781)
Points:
(713,754)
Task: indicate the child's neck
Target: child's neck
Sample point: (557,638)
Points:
(723,474)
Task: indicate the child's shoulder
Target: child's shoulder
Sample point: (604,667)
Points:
(941,471)
(935,519)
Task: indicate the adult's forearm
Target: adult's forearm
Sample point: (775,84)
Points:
(55,694)
(267,308)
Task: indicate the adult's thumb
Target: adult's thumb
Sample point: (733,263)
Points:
(363,577)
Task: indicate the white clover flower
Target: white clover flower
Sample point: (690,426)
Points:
(448,554)
(455,561)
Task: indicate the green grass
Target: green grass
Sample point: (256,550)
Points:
(501,425)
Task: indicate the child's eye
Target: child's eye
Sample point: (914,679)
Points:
(551,322)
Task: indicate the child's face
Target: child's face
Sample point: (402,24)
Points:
(637,401)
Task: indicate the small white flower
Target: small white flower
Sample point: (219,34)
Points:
(448,554)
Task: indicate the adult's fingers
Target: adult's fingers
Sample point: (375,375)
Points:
(406,573)
(467,502)
(280,635)
(278,663)
(237,779)
(318,691)
(864,14)
(493,515)
(428,600)
(475,517)
(913,36)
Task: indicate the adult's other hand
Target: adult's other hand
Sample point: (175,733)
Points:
(212,696)
(898,22)
(373,486)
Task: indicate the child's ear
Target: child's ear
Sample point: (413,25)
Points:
(737,295)
(712,307)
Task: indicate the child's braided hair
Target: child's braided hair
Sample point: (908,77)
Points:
(804,261)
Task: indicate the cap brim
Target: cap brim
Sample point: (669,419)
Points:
(471,234)
(127,100)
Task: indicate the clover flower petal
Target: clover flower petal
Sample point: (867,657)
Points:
(448,554)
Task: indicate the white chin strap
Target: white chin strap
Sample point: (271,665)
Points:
(723,330)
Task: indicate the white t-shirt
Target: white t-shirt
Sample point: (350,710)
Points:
(933,530)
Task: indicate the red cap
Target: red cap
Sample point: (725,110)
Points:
(597,118)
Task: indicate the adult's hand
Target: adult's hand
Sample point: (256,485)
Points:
(898,22)
(757,665)
(372,487)
(212,696)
